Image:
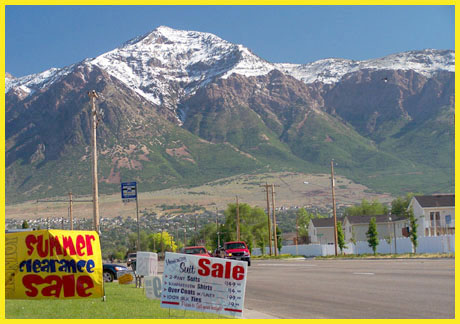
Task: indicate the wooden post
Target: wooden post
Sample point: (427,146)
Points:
(237,220)
(269,222)
(93,95)
(333,206)
(70,211)
(274,221)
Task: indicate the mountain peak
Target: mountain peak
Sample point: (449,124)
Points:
(156,62)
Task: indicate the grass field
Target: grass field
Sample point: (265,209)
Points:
(291,190)
(122,301)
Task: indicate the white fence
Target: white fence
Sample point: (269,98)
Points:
(426,244)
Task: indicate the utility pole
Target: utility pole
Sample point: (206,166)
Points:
(297,235)
(196,234)
(137,218)
(389,230)
(274,220)
(237,219)
(162,247)
(176,238)
(70,211)
(93,95)
(333,206)
(185,237)
(394,231)
(269,222)
(217,227)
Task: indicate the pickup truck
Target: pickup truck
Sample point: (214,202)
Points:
(237,250)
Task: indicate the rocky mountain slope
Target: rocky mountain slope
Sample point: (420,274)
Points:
(184,107)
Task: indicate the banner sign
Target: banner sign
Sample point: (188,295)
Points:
(52,264)
(152,285)
(204,284)
(146,264)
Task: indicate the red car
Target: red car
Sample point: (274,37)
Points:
(197,250)
(237,251)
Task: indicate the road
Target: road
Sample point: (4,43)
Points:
(396,288)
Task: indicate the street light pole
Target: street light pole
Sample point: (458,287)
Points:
(93,95)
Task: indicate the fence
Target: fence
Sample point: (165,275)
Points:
(426,244)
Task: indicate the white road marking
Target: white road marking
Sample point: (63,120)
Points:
(364,273)
(287,265)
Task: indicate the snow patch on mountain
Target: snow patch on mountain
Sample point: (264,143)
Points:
(426,62)
(34,82)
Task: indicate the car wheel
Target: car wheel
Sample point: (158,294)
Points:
(249,263)
(108,276)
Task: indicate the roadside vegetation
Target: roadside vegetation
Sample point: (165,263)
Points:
(388,256)
(122,301)
(280,256)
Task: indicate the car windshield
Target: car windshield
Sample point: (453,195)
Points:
(132,255)
(232,246)
(195,251)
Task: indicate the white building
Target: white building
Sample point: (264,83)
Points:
(321,230)
(388,227)
(435,214)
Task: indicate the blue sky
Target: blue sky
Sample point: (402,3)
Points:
(40,37)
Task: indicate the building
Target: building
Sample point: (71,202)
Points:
(435,214)
(289,238)
(321,230)
(388,227)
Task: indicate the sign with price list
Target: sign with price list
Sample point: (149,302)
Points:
(204,284)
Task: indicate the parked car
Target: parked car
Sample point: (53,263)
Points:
(110,271)
(237,250)
(131,258)
(197,250)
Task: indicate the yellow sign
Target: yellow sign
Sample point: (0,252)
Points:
(52,264)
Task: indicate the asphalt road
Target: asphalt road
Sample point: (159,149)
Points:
(397,288)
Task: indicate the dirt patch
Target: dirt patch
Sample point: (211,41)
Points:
(180,153)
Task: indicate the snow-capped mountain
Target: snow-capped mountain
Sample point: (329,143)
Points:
(167,65)
(426,62)
(184,108)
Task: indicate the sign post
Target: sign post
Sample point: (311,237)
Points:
(128,194)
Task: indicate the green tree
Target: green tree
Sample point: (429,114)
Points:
(253,225)
(25,224)
(367,208)
(161,242)
(279,239)
(208,233)
(132,241)
(413,228)
(372,235)
(399,205)
(303,221)
(340,237)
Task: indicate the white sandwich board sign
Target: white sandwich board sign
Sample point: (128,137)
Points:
(152,285)
(146,264)
(204,284)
